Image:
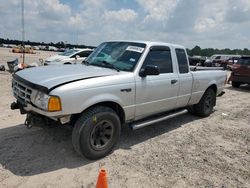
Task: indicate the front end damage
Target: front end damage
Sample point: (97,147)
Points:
(25,94)
(33,119)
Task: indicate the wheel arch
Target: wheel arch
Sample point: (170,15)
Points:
(214,87)
(111,104)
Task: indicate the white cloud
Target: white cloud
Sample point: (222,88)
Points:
(94,3)
(157,9)
(52,9)
(213,23)
(123,15)
(204,24)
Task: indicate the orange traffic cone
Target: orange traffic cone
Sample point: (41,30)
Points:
(102,181)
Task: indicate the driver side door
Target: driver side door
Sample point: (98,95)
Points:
(157,93)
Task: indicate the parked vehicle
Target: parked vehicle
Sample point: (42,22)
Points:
(72,56)
(197,60)
(120,83)
(231,61)
(219,60)
(241,72)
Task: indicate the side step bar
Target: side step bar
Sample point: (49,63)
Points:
(155,119)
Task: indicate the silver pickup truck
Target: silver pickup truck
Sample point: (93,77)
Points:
(121,83)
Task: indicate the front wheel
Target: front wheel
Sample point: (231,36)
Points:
(96,132)
(205,106)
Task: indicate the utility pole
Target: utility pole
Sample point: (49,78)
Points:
(23,34)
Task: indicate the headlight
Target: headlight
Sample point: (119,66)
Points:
(48,103)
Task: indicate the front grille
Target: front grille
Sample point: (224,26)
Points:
(21,92)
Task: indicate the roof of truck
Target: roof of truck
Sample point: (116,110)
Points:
(150,43)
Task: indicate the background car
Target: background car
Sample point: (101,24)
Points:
(197,60)
(72,56)
(241,72)
(219,60)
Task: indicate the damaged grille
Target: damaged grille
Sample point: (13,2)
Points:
(21,92)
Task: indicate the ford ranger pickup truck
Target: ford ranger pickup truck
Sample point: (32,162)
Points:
(121,83)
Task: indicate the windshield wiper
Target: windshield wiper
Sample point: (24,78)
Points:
(110,65)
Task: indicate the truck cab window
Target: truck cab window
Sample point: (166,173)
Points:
(182,60)
(161,59)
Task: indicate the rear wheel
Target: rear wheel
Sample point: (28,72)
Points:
(236,84)
(205,107)
(191,109)
(96,132)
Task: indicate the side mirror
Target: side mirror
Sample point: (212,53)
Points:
(77,56)
(149,70)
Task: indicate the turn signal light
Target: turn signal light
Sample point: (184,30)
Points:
(54,104)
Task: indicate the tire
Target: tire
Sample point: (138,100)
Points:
(67,63)
(236,84)
(190,109)
(96,132)
(205,107)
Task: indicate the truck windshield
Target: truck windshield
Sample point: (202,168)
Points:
(121,56)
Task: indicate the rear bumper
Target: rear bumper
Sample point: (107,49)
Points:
(242,79)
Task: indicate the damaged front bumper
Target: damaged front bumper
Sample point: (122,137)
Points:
(37,116)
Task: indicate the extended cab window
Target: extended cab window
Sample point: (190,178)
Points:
(160,58)
(182,60)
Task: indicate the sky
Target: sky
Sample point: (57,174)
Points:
(207,23)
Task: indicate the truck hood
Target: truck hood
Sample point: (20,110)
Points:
(46,78)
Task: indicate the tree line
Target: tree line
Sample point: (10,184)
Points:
(211,51)
(194,51)
(57,45)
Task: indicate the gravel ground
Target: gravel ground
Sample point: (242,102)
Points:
(186,151)
(7,55)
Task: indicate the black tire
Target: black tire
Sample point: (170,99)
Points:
(191,109)
(205,106)
(236,84)
(67,63)
(96,132)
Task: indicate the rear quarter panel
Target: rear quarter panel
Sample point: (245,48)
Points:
(204,79)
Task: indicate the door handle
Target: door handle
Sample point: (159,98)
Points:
(126,90)
(174,81)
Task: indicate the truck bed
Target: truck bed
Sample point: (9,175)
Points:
(198,68)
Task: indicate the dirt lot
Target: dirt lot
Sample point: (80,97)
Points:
(7,55)
(182,152)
